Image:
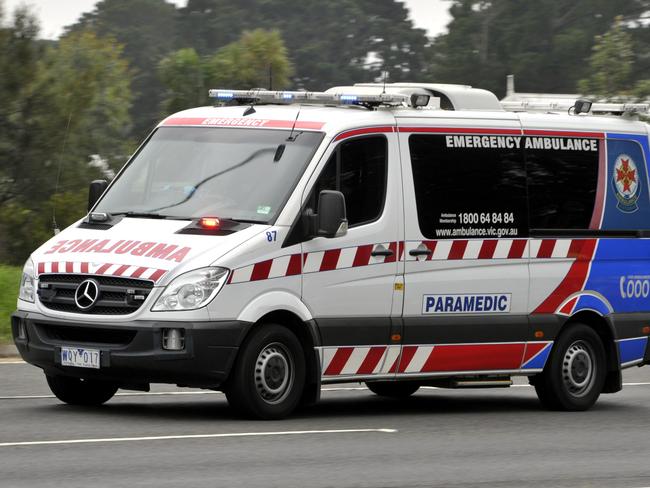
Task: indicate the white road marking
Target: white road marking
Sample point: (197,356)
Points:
(160,393)
(180,393)
(11,361)
(196,436)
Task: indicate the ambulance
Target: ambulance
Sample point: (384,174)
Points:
(400,235)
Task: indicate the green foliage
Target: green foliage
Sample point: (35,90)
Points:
(9,283)
(182,73)
(23,229)
(147,30)
(329,43)
(62,106)
(86,83)
(610,63)
(247,63)
(258,59)
(543,43)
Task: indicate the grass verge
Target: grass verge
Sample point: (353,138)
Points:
(9,282)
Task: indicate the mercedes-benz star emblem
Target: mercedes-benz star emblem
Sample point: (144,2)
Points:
(86,294)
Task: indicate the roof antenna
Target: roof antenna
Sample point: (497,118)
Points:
(291,138)
(280,149)
(55,226)
(385,73)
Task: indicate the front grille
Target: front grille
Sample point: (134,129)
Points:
(117,296)
(85,335)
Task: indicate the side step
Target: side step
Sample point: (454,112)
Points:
(488,383)
(472,382)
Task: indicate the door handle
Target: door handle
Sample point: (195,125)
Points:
(381,251)
(420,252)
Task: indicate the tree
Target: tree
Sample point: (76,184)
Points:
(356,40)
(65,109)
(147,30)
(544,43)
(182,74)
(610,63)
(78,106)
(258,59)
(19,65)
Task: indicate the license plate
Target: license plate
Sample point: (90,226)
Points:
(80,357)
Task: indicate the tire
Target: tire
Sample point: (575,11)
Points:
(575,373)
(269,374)
(393,389)
(76,391)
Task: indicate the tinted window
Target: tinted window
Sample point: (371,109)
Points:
(469,186)
(562,182)
(357,168)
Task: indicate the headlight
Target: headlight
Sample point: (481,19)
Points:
(26,291)
(192,290)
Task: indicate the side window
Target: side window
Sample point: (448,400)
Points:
(562,182)
(358,169)
(469,186)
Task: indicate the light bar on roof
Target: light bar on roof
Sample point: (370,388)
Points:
(564,105)
(266,96)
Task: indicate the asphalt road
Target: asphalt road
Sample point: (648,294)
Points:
(350,439)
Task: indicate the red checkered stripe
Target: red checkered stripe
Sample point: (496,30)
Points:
(367,360)
(445,250)
(442,250)
(105,269)
(315,262)
(358,360)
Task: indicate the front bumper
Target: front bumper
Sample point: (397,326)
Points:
(132,354)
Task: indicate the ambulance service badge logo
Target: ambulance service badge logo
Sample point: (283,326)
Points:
(626,184)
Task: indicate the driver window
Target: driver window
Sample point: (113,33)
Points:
(358,169)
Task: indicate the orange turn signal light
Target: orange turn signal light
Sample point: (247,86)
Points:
(646,330)
(396,338)
(539,334)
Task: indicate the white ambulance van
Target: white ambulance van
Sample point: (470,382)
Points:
(399,235)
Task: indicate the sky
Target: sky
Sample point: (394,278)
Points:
(54,15)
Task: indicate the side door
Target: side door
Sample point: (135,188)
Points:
(466,268)
(349,281)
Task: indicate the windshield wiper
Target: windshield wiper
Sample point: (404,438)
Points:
(249,221)
(141,215)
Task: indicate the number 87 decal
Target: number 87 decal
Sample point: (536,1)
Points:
(272,235)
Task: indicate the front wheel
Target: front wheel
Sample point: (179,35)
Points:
(76,391)
(393,389)
(269,375)
(575,374)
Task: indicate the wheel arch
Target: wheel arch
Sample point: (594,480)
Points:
(605,330)
(309,338)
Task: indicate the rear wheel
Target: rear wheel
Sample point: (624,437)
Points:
(76,391)
(269,375)
(393,389)
(575,374)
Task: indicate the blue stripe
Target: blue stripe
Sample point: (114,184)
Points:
(632,349)
(539,361)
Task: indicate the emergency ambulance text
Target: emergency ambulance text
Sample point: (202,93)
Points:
(515,142)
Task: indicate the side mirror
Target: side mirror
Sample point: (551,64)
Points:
(331,220)
(95,191)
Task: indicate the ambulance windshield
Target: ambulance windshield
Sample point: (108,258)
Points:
(196,172)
